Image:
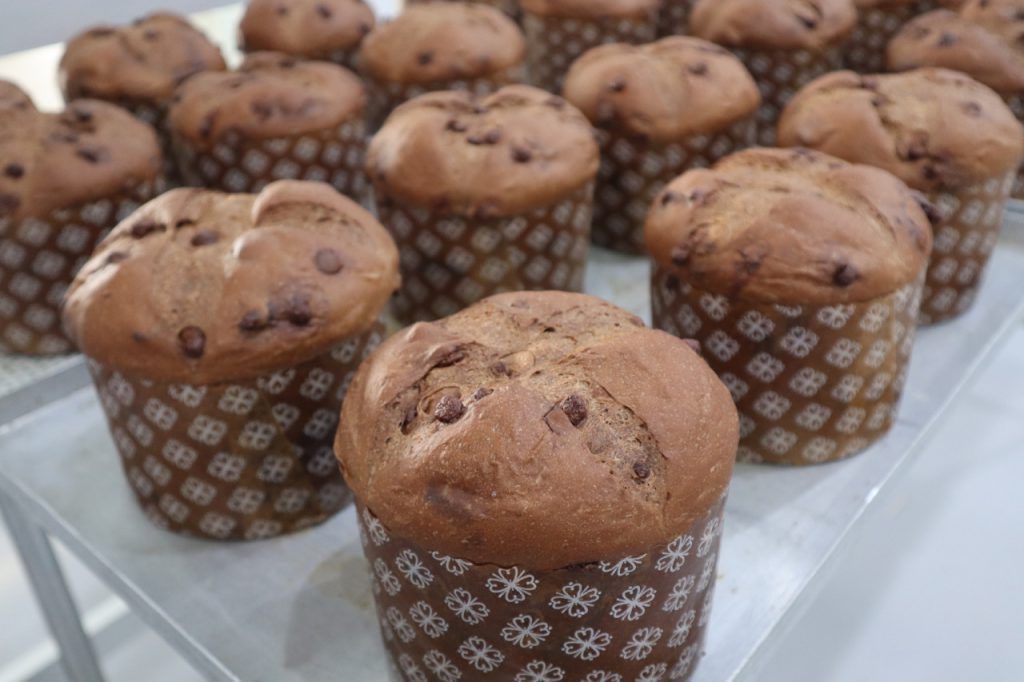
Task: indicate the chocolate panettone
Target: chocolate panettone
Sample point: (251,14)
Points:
(329,30)
(660,109)
(276,118)
(484,195)
(65,181)
(800,274)
(943,134)
(221,331)
(440,46)
(138,66)
(534,459)
(784,44)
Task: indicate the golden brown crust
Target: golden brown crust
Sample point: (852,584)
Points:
(935,129)
(517,149)
(202,287)
(270,95)
(537,429)
(986,47)
(790,226)
(666,91)
(443,42)
(774,24)
(91,151)
(144,61)
(315,29)
(589,9)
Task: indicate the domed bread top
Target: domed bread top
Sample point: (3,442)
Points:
(91,151)
(589,9)
(933,128)
(443,42)
(538,429)
(666,91)
(307,28)
(986,47)
(791,227)
(517,149)
(774,24)
(271,95)
(202,287)
(144,61)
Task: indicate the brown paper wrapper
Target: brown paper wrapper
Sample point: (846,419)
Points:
(963,245)
(243,460)
(554,43)
(642,617)
(449,262)
(385,97)
(38,259)
(1016,104)
(811,383)
(865,51)
(633,171)
(779,75)
(239,164)
(674,17)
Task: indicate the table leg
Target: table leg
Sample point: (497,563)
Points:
(78,659)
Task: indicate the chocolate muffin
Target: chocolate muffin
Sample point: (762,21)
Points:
(440,46)
(484,195)
(942,133)
(784,44)
(138,67)
(660,109)
(276,118)
(879,21)
(559,31)
(539,481)
(65,180)
(800,275)
(984,42)
(328,30)
(222,331)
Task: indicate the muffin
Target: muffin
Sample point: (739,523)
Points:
(559,31)
(660,109)
(800,275)
(878,22)
(327,30)
(539,482)
(674,17)
(942,133)
(984,43)
(138,67)
(65,180)
(784,44)
(276,118)
(222,331)
(440,46)
(484,195)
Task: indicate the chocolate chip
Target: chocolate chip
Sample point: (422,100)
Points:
(971,108)
(263,110)
(299,312)
(575,409)
(9,203)
(482,393)
(364,28)
(116,257)
(205,238)
(81,115)
(500,368)
(91,154)
(328,261)
(424,58)
(192,341)
(448,409)
(845,275)
(946,39)
(144,228)
(456,126)
(808,22)
(184,222)
(641,470)
(150,34)
(521,155)
(669,197)
(14,170)
(617,85)
(680,256)
(490,137)
(324,11)
(282,11)
(252,321)
(698,69)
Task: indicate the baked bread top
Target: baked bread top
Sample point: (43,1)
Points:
(774,24)
(538,429)
(201,287)
(790,226)
(315,29)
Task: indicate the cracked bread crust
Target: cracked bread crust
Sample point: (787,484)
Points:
(935,129)
(539,429)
